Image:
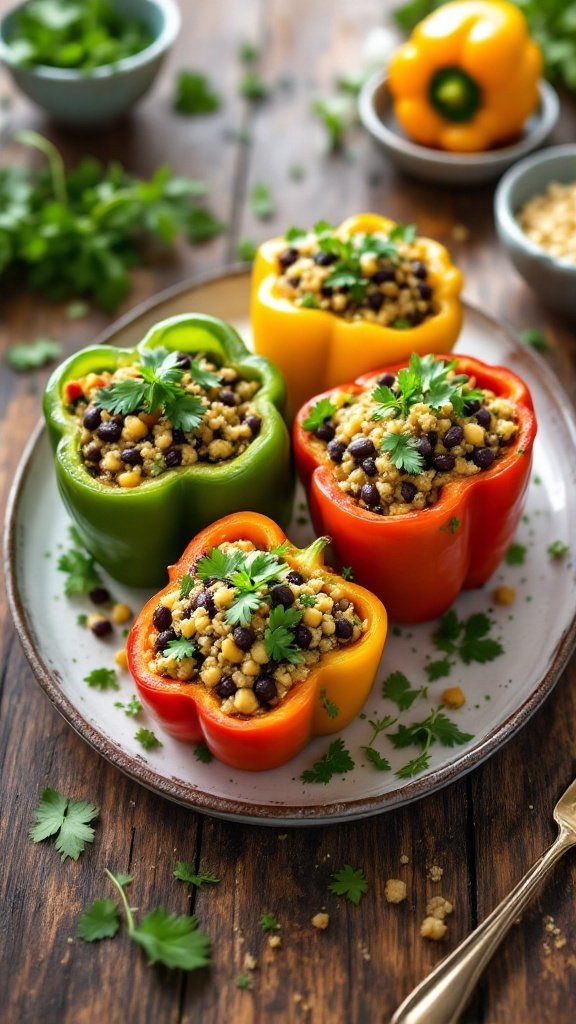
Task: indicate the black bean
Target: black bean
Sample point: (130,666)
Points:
(109,430)
(483,457)
(325,432)
(281,594)
(302,637)
(164,638)
(92,453)
(265,689)
(433,438)
(184,361)
(92,417)
(370,495)
(408,491)
(99,595)
(178,436)
(420,270)
(416,318)
(243,637)
(228,398)
(425,291)
(344,629)
(296,578)
(424,447)
(325,259)
(362,448)
(484,418)
(101,627)
(388,380)
(288,257)
(453,436)
(205,600)
(254,424)
(471,407)
(375,301)
(327,291)
(383,275)
(336,451)
(173,457)
(443,463)
(132,457)
(162,618)
(226,688)
(369,467)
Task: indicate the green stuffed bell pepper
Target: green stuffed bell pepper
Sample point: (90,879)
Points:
(154,443)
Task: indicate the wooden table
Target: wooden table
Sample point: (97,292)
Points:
(484,830)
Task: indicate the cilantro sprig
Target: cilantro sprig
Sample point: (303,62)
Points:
(279,635)
(437,727)
(467,637)
(402,450)
(99,921)
(184,872)
(428,380)
(397,688)
(158,388)
(320,412)
(335,760)
(349,882)
(82,575)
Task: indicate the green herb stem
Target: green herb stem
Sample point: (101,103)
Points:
(55,161)
(127,910)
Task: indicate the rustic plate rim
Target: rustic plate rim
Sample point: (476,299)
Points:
(249,812)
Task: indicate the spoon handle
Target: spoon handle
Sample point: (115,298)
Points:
(442,996)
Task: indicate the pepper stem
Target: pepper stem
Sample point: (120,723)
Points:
(310,556)
(454,94)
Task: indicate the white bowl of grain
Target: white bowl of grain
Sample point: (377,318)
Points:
(535,212)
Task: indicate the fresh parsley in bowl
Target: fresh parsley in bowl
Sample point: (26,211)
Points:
(86,62)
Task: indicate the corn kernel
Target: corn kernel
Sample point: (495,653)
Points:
(130,479)
(258,653)
(223,597)
(245,702)
(312,617)
(231,652)
(134,429)
(474,433)
(121,659)
(211,676)
(111,463)
(121,613)
(187,628)
(453,697)
(504,595)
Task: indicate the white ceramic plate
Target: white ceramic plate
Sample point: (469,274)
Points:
(537,632)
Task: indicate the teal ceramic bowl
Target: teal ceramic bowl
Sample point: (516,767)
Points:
(87,99)
(554,279)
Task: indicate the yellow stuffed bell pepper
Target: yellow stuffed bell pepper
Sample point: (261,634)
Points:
(467,78)
(332,303)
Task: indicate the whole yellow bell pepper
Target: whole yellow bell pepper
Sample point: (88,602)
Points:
(467,78)
(316,349)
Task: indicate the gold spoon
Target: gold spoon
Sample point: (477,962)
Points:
(442,996)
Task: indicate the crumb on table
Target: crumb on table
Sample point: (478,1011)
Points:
(395,890)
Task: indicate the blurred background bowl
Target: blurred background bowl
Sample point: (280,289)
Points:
(440,166)
(553,279)
(84,99)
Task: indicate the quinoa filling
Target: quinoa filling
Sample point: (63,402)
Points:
(380,278)
(183,410)
(248,626)
(395,445)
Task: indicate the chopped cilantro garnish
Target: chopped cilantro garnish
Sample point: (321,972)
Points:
(269,922)
(398,689)
(436,727)
(515,555)
(536,338)
(253,87)
(184,872)
(186,586)
(102,679)
(68,820)
(428,380)
(330,708)
(318,414)
(558,549)
(335,760)
(195,94)
(402,450)
(347,573)
(467,637)
(261,202)
(201,753)
(132,708)
(148,739)
(179,649)
(279,634)
(158,388)
(350,883)
(33,355)
(82,574)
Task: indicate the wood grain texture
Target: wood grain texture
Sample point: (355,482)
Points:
(484,831)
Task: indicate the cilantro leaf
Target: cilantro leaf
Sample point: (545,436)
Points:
(218,563)
(295,234)
(102,679)
(132,708)
(242,609)
(171,940)
(82,575)
(279,634)
(184,872)
(402,450)
(320,412)
(438,669)
(261,202)
(269,922)
(246,250)
(335,760)
(307,600)
(148,739)
(67,819)
(349,882)
(99,921)
(186,586)
(179,649)
(309,301)
(376,759)
(195,95)
(448,631)
(243,981)
(205,378)
(200,225)
(33,355)
(515,555)
(536,338)
(475,645)
(398,689)
(558,549)
(185,411)
(124,397)
(253,87)
(329,706)
(203,754)
(415,766)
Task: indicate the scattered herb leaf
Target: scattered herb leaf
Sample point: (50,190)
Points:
(318,414)
(148,739)
(329,707)
(184,872)
(99,921)
(68,820)
(194,94)
(335,760)
(269,923)
(32,355)
(102,679)
(558,549)
(261,202)
(398,689)
(349,882)
(202,753)
(132,708)
(515,555)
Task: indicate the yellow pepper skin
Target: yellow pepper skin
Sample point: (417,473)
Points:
(467,78)
(316,349)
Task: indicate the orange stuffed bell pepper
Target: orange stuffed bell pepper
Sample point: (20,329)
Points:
(419,474)
(254,646)
(467,78)
(332,303)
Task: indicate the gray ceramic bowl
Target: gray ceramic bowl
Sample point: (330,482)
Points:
(84,100)
(552,278)
(439,166)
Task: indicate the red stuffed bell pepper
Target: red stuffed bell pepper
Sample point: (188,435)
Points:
(254,646)
(419,476)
